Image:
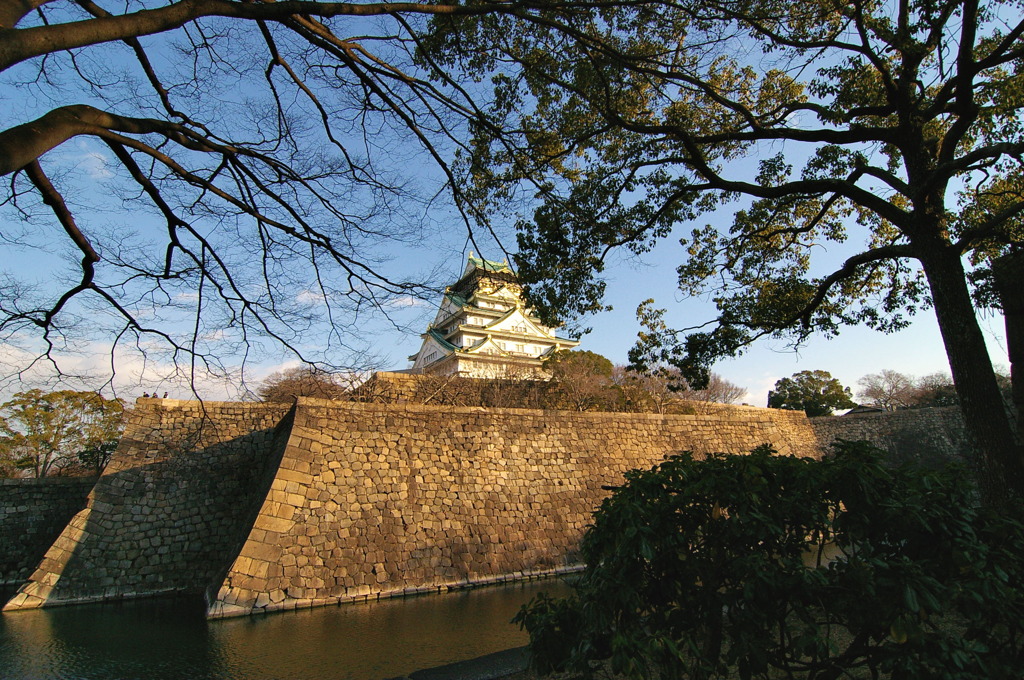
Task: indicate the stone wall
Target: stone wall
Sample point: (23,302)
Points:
(389,387)
(373,500)
(171,510)
(269,508)
(33,512)
(930,435)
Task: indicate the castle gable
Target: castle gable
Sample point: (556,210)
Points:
(517,322)
(434,348)
(486,346)
(451,304)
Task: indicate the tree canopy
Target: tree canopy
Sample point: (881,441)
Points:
(886,133)
(816,393)
(59,432)
(765,566)
(888,389)
(301,381)
(582,381)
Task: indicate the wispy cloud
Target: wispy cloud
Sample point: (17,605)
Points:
(407,301)
(135,373)
(95,163)
(311,297)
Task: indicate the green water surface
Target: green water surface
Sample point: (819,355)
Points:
(157,639)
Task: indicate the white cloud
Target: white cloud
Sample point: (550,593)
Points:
(134,374)
(757,390)
(95,163)
(311,297)
(407,301)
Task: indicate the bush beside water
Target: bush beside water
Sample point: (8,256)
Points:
(763,566)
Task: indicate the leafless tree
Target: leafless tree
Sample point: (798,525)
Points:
(888,389)
(644,392)
(665,390)
(207,176)
(301,381)
(891,390)
(718,391)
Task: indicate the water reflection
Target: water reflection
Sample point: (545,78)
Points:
(157,639)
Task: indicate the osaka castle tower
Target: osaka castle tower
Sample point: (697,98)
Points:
(484,330)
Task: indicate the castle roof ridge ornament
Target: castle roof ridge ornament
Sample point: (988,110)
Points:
(473,262)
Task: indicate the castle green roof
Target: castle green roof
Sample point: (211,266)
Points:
(489,265)
(437,335)
(459,300)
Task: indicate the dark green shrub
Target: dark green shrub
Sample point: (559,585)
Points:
(763,566)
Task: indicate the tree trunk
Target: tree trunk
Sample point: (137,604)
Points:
(1009,278)
(981,403)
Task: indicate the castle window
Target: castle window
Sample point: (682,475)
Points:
(519,328)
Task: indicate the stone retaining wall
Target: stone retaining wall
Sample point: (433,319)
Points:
(929,435)
(171,510)
(372,500)
(33,512)
(266,508)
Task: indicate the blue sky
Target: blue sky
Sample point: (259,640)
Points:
(858,351)
(85,168)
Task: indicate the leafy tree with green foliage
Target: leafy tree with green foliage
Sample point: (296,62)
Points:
(53,432)
(764,566)
(905,117)
(816,393)
(94,458)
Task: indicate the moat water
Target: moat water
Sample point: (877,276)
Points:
(170,638)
